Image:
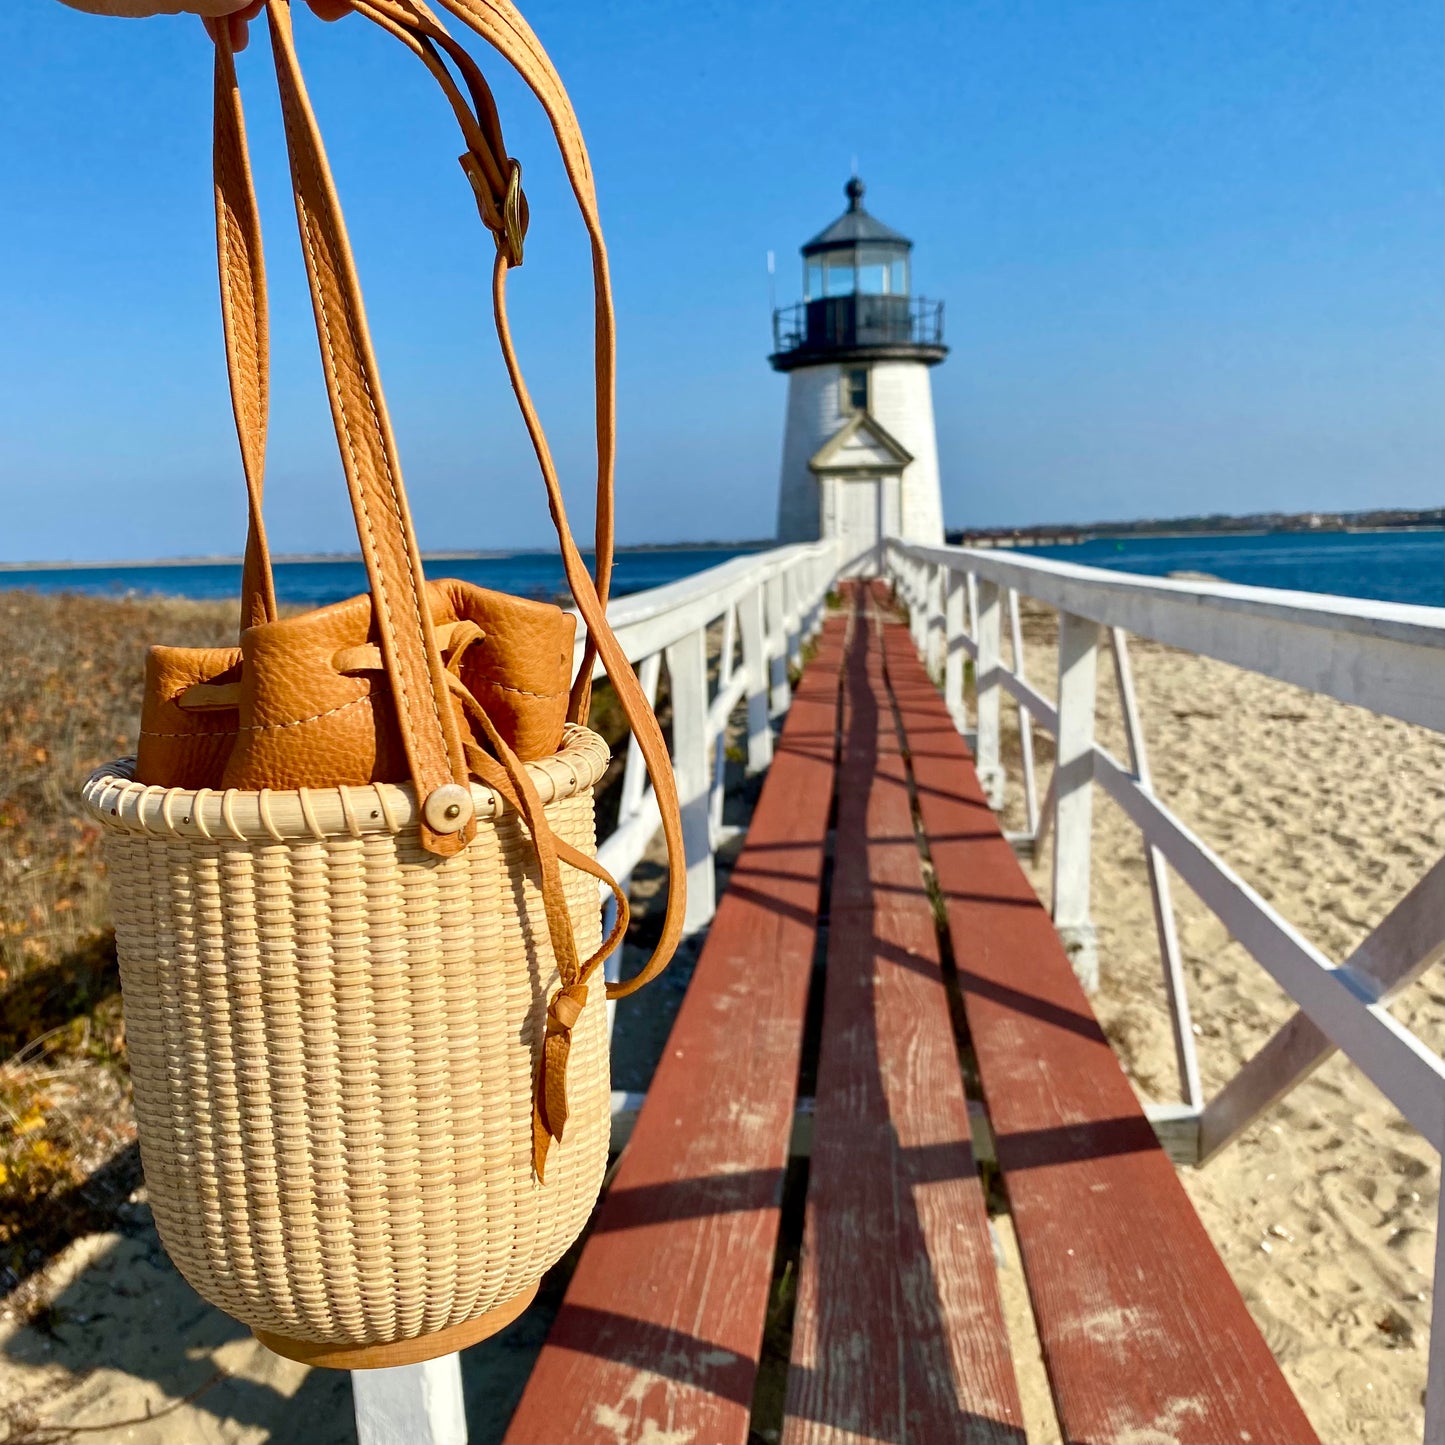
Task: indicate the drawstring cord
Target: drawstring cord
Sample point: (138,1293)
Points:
(502,770)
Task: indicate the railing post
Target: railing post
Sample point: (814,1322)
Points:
(1026,726)
(687,671)
(807,596)
(793,613)
(720,743)
(634,773)
(781,689)
(1435,1368)
(755,668)
(410,1404)
(936,642)
(986,687)
(918,608)
(634,785)
(819,579)
(1190,1087)
(953,654)
(1073,796)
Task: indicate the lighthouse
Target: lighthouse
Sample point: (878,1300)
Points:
(860,458)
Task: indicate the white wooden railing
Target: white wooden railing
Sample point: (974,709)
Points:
(768,605)
(1382,656)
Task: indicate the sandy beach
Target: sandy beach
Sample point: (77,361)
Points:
(1324,1211)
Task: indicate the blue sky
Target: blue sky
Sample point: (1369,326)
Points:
(1190,254)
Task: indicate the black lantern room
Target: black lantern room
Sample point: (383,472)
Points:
(856,304)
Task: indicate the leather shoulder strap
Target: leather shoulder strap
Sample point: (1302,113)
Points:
(503,27)
(430,729)
(244,319)
(435,747)
(505,30)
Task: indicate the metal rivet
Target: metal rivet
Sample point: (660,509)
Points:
(449,808)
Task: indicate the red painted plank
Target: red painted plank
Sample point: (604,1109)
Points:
(899,1332)
(659,1335)
(1145,1335)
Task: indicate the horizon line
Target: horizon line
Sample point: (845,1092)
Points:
(1114,529)
(487,554)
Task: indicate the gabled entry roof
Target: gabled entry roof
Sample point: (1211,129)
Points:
(861,444)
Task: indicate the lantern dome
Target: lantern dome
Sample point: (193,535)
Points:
(856,302)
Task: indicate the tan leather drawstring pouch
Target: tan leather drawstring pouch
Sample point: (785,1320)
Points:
(353,862)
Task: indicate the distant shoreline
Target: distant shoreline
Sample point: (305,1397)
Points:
(1020,541)
(315,558)
(1213,526)
(1259,532)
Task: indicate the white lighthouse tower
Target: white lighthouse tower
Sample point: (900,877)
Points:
(860,458)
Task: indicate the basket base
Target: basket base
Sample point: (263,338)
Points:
(401,1352)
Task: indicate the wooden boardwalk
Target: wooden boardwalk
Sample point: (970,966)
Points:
(898,1332)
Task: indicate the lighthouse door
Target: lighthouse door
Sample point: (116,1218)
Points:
(860,522)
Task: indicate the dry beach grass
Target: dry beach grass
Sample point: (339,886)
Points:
(70,686)
(1324,1211)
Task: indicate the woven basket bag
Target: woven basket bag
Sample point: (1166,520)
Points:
(371,1079)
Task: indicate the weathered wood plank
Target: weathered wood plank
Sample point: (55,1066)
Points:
(899,1332)
(659,1335)
(1144,1335)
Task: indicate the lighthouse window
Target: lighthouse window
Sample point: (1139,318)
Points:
(841,276)
(813,279)
(873,279)
(872,270)
(855,389)
(898,277)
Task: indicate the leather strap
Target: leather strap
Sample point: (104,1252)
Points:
(437,750)
(368,449)
(244,318)
(504,771)
(501,25)
(430,730)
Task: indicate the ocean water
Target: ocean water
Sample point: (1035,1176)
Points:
(1386,566)
(314,584)
(1389,566)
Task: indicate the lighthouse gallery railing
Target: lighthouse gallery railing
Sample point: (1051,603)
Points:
(858,319)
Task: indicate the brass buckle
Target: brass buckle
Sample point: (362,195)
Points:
(514,227)
(507,226)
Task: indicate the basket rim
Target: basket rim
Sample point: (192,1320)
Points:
(119,803)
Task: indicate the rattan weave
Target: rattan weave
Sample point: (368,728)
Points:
(334,1036)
